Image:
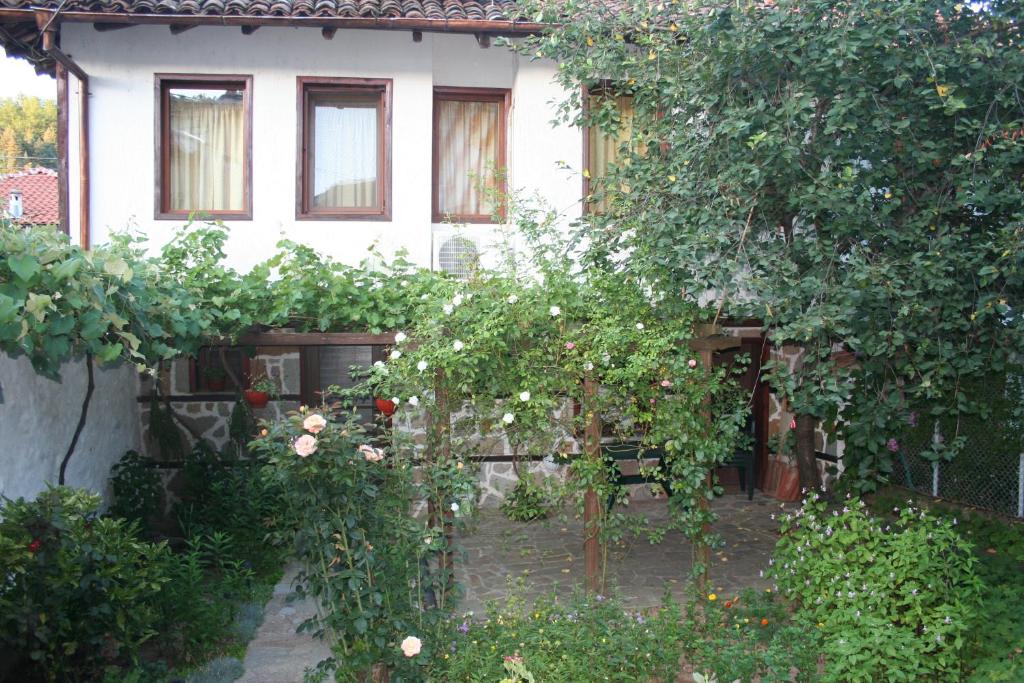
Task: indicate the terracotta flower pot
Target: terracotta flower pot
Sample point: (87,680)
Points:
(386,407)
(257,399)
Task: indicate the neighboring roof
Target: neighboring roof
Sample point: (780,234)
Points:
(38,187)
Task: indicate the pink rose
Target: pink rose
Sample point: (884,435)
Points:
(792,423)
(570,345)
(411,646)
(371,454)
(305,445)
(893,445)
(692,362)
(314,423)
(666,383)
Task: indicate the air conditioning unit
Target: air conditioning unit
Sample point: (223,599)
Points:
(456,251)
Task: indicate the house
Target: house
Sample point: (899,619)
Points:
(339,124)
(29,197)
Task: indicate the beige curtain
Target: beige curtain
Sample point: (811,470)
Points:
(468,135)
(345,154)
(604,147)
(207,153)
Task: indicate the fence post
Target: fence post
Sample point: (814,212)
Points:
(1020,486)
(936,440)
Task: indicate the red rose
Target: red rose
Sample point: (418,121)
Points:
(35,545)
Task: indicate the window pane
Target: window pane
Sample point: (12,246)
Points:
(345,146)
(468,139)
(207,150)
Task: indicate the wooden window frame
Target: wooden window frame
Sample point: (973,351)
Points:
(312,392)
(502,96)
(196,384)
(163,82)
(310,85)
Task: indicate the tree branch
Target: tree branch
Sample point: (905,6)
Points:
(90,387)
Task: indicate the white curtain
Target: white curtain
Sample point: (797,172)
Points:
(207,154)
(345,155)
(468,135)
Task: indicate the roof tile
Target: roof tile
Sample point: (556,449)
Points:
(38,187)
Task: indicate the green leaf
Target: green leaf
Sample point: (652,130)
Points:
(23,265)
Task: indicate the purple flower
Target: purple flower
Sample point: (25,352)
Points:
(464,627)
(599,598)
(893,445)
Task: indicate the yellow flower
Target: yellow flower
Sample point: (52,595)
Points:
(590,41)
(943,90)
(671,178)
(652,55)
(712,597)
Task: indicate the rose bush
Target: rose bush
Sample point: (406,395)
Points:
(348,519)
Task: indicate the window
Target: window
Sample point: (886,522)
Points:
(603,149)
(209,371)
(469,153)
(329,366)
(204,140)
(344,148)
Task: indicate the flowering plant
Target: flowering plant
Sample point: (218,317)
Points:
(893,595)
(348,520)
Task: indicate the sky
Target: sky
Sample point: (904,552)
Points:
(18,77)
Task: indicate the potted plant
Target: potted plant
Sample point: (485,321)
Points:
(385,406)
(215,378)
(261,390)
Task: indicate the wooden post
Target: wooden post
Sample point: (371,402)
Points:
(706,347)
(591,504)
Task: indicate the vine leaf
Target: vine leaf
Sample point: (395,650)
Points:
(23,265)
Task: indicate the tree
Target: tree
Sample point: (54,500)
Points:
(850,172)
(28,133)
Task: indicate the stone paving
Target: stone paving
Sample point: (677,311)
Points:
(548,554)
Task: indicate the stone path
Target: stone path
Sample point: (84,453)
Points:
(548,556)
(277,654)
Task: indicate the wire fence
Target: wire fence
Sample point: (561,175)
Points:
(988,468)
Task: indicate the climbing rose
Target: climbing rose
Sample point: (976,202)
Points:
(893,445)
(692,362)
(508,418)
(555,310)
(457,300)
(411,646)
(570,345)
(400,337)
(35,545)
(524,396)
(455,507)
(396,400)
(447,308)
(396,354)
(458,345)
(414,400)
(512,298)
(305,445)
(314,423)
(639,326)
(421,366)
(666,383)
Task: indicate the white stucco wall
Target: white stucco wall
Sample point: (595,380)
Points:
(38,418)
(121,66)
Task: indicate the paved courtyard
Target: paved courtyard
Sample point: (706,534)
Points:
(548,554)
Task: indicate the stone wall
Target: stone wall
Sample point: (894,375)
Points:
(38,417)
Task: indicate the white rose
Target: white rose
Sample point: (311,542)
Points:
(512,299)
(639,326)
(396,400)
(378,364)
(395,355)
(458,345)
(524,396)
(400,337)
(457,299)
(447,308)
(455,507)
(555,310)
(588,367)
(404,283)
(508,418)
(414,400)
(421,366)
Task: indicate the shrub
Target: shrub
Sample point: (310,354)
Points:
(138,491)
(526,502)
(748,637)
(584,639)
(349,523)
(78,587)
(896,597)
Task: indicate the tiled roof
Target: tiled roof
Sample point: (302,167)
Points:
(38,187)
(473,10)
